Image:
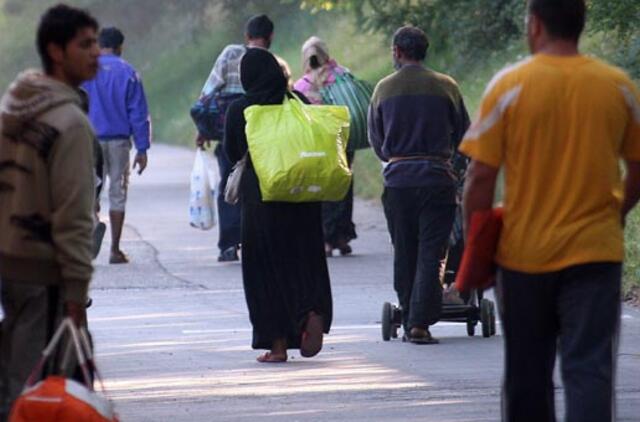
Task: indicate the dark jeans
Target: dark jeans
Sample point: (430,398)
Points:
(228,215)
(419,221)
(577,310)
(337,217)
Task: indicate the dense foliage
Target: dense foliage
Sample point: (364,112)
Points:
(463,30)
(469,30)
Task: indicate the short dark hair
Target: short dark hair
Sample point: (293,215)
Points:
(110,37)
(412,41)
(259,27)
(59,25)
(564,19)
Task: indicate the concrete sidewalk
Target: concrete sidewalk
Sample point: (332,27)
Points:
(173,336)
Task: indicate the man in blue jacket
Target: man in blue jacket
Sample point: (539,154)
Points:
(118,110)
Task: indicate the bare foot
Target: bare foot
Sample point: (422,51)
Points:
(312,336)
(269,357)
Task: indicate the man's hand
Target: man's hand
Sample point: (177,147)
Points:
(140,161)
(479,188)
(76,311)
(631,189)
(201,142)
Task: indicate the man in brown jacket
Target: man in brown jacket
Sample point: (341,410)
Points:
(46,195)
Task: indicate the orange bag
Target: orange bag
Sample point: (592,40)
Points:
(59,399)
(478,268)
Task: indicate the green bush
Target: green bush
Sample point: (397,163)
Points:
(631,279)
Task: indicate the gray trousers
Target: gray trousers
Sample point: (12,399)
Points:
(117,165)
(576,312)
(31,314)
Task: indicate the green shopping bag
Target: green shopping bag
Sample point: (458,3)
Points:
(299,151)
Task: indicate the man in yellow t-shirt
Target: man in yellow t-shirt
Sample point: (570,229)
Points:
(559,123)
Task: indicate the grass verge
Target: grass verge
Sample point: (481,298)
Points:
(631,274)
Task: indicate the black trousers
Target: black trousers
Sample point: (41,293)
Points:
(419,221)
(576,310)
(337,217)
(229,215)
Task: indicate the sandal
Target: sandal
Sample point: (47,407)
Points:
(311,343)
(118,258)
(419,336)
(269,357)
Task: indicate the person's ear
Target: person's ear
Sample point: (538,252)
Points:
(536,27)
(397,54)
(55,52)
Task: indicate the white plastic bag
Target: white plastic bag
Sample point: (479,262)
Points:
(205,180)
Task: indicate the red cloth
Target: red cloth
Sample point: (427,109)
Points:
(478,268)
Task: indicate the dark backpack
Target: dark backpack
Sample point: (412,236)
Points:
(208,113)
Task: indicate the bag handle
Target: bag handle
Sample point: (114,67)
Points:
(82,347)
(297,105)
(84,339)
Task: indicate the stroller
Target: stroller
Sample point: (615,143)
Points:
(475,308)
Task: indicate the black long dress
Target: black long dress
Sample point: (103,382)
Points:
(284,268)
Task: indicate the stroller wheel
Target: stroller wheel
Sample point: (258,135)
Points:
(471,327)
(396,322)
(487,317)
(387,321)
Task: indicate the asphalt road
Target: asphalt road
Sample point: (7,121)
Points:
(173,338)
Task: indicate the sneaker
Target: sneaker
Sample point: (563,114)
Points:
(328,250)
(345,250)
(229,255)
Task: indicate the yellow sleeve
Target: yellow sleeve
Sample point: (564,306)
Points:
(631,142)
(485,139)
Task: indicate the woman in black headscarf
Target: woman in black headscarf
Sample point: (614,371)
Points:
(284,269)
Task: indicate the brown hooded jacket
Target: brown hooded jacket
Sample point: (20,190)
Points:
(46,185)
